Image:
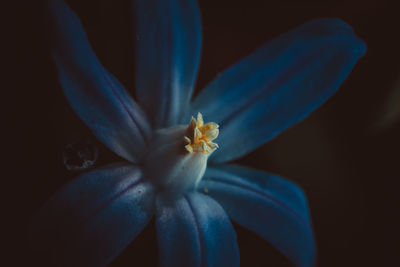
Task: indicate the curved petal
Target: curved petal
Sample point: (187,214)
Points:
(272,207)
(278,85)
(195,231)
(168,45)
(94,94)
(93,218)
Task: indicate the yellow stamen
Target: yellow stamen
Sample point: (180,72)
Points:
(199,136)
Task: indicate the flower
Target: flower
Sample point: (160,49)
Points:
(94,217)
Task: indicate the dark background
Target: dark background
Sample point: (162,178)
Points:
(345,155)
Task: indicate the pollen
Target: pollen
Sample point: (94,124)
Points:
(200,136)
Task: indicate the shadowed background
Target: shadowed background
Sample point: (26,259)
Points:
(345,155)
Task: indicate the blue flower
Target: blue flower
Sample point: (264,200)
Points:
(94,217)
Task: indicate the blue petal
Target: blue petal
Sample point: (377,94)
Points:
(272,207)
(94,94)
(195,231)
(278,85)
(93,218)
(168,45)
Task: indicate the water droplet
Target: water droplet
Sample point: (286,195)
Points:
(79,156)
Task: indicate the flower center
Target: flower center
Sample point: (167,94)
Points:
(177,156)
(200,136)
